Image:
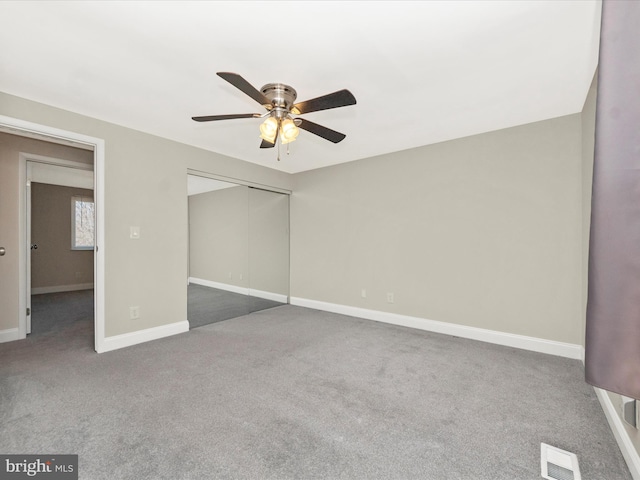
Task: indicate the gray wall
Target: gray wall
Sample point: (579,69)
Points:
(483,231)
(219,236)
(54,263)
(144,186)
(10,148)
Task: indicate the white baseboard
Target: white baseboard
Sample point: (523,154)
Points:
(128,339)
(276,297)
(627,448)
(10,334)
(221,286)
(61,288)
(541,345)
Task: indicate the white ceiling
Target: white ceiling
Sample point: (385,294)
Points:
(422,71)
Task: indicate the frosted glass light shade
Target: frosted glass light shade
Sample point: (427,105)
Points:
(269,130)
(289,131)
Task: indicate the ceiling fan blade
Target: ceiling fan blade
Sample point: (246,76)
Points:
(341,98)
(245,87)
(321,131)
(266,144)
(210,118)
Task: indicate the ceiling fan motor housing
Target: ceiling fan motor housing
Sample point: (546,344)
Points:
(282,98)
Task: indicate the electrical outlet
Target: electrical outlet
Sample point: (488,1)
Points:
(230,275)
(363,293)
(240,276)
(134,313)
(390,298)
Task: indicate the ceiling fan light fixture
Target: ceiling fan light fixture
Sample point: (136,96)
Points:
(279,99)
(269,130)
(288,131)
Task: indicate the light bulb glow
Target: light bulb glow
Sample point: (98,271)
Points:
(288,131)
(269,130)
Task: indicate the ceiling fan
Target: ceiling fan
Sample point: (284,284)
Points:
(278,100)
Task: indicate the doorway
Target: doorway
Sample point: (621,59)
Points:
(238,259)
(60,259)
(57,191)
(13,217)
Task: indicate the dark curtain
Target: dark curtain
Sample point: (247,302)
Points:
(612,356)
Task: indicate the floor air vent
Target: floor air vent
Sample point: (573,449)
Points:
(558,464)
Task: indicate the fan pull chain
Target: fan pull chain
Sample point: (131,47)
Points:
(278,136)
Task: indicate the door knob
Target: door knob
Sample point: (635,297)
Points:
(34,246)
(2,251)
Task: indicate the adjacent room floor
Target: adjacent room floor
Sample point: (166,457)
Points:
(294,393)
(64,316)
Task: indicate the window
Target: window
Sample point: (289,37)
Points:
(82,223)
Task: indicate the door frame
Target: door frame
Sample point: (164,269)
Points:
(20,127)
